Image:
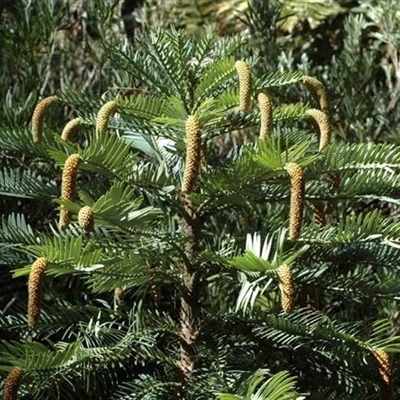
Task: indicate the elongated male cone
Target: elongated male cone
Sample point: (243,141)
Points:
(69,175)
(286,285)
(321,121)
(12,383)
(104,114)
(38,115)
(70,128)
(296,199)
(86,219)
(265,106)
(35,291)
(193,154)
(243,71)
(68,186)
(320,92)
(385,370)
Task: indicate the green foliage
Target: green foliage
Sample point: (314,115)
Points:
(280,386)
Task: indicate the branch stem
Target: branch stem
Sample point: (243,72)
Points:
(189,297)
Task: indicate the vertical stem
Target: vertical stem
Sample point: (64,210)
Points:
(190,228)
(189,300)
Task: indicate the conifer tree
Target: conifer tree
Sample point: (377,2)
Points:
(186,272)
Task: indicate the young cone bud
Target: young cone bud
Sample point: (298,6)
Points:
(70,128)
(296,199)
(12,383)
(265,106)
(38,116)
(321,121)
(86,219)
(385,371)
(320,92)
(68,184)
(286,286)
(104,114)
(193,153)
(243,71)
(35,290)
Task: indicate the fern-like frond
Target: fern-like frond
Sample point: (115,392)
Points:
(107,154)
(66,254)
(20,140)
(362,155)
(26,184)
(275,79)
(141,106)
(85,103)
(15,229)
(36,356)
(308,324)
(145,387)
(280,386)
(270,257)
(216,78)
